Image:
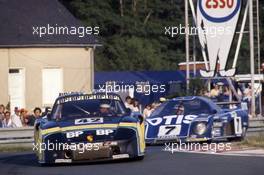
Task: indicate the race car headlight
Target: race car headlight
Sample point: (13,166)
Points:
(200,128)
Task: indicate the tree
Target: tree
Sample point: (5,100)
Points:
(132,33)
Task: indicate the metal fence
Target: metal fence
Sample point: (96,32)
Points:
(16,135)
(256,126)
(25,135)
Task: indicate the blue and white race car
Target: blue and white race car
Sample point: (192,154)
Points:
(89,127)
(194,119)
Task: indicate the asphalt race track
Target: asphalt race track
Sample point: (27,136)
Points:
(155,162)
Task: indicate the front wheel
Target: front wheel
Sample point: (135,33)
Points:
(139,158)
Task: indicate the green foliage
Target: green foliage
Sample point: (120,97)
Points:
(134,40)
(133,37)
(196,86)
(135,53)
(253,141)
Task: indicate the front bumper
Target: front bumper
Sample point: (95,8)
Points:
(97,159)
(108,150)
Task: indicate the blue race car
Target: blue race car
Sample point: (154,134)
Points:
(89,127)
(194,119)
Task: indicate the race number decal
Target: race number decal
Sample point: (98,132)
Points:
(88,121)
(169,130)
(238,125)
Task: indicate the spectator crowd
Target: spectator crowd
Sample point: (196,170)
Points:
(222,93)
(218,93)
(19,118)
(24,118)
(134,105)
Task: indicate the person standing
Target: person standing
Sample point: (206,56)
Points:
(247,97)
(16,121)
(135,105)
(128,103)
(147,111)
(7,122)
(1,119)
(24,117)
(2,114)
(46,112)
(215,91)
(37,114)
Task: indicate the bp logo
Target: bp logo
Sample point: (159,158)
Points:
(219,11)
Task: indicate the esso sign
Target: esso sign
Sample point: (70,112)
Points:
(218,11)
(219,4)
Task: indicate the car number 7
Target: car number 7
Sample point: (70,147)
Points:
(167,130)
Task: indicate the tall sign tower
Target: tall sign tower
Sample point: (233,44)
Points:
(216,23)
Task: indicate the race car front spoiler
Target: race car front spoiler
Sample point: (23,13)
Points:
(114,157)
(108,150)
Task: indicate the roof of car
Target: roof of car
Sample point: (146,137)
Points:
(76,94)
(185,98)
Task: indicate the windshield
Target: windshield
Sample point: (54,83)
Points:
(183,107)
(88,108)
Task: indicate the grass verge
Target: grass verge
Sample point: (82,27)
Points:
(253,141)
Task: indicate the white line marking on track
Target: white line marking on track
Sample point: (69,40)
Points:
(237,153)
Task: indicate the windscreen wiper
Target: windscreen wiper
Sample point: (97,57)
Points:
(86,112)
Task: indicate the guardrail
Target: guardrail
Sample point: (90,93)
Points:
(25,134)
(16,135)
(256,126)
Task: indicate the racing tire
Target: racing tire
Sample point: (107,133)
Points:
(44,164)
(139,158)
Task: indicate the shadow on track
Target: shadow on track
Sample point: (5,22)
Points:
(25,159)
(30,160)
